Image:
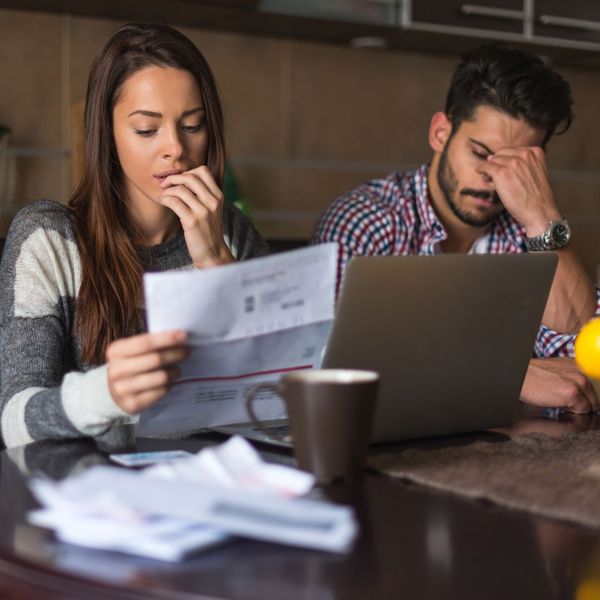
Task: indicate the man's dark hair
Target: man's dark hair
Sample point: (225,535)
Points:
(513,81)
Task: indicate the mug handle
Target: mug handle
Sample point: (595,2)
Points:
(271,387)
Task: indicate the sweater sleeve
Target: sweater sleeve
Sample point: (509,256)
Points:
(42,394)
(240,234)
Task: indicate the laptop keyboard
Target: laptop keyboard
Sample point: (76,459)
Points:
(278,430)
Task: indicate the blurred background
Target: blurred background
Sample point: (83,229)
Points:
(318,95)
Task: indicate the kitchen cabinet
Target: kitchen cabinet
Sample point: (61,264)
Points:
(492,15)
(576,20)
(566,31)
(552,27)
(374,12)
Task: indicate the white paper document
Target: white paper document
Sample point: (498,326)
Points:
(174,509)
(247,323)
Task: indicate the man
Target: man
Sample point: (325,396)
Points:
(486,191)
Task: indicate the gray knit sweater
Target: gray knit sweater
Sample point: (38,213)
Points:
(46,392)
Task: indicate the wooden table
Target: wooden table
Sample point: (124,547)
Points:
(414,543)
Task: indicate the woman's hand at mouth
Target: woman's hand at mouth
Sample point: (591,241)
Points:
(197,200)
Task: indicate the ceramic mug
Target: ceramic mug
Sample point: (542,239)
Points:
(330,413)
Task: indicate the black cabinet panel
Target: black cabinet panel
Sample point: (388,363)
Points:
(457,13)
(573,20)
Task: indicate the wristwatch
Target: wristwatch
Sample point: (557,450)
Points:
(555,237)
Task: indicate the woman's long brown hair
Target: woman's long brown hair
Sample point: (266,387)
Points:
(111,272)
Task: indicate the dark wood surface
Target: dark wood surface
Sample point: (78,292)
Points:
(414,543)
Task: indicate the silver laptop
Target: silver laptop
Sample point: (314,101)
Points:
(451,336)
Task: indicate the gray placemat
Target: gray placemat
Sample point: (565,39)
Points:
(553,477)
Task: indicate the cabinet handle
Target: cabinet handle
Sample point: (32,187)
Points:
(491,11)
(570,23)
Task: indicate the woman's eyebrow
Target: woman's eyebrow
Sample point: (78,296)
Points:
(192,111)
(157,115)
(146,113)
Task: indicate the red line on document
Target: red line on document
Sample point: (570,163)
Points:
(244,375)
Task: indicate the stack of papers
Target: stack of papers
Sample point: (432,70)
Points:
(171,510)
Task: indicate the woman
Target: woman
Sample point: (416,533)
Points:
(72,359)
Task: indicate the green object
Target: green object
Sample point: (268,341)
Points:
(244,205)
(231,191)
(4,129)
(231,188)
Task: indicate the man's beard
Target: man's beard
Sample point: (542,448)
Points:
(449,185)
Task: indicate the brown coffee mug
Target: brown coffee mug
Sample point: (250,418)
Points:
(330,412)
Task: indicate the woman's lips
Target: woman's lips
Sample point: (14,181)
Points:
(164,174)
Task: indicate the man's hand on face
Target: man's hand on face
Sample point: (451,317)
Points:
(520,176)
(557,382)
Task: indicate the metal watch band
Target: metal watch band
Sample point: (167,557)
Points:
(548,240)
(538,243)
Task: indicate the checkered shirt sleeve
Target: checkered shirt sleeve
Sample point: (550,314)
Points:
(360,226)
(550,343)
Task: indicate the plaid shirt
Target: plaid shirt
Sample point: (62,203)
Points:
(394,216)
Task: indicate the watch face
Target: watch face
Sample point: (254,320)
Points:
(560,235)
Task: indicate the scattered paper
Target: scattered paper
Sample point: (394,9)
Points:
(160,538)
(219,493)
(236,465)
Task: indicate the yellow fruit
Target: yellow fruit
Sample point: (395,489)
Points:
(588,589)
(587,349)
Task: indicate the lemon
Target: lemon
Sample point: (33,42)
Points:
(587,349)
(588,589)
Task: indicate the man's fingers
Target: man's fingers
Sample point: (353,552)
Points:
(579,406)
(512,158)
(579,394)
(524,152)
(486,166)
(490,168)
(558,382)
(506,165)
(590,394)
(512,151)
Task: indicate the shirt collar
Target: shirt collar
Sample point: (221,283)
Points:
(506,228)
(427,215)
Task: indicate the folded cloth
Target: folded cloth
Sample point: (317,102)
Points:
(548,476)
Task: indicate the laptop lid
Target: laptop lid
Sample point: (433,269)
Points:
(451,336)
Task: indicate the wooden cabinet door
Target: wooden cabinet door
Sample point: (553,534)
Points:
(577,20)
(490,15)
